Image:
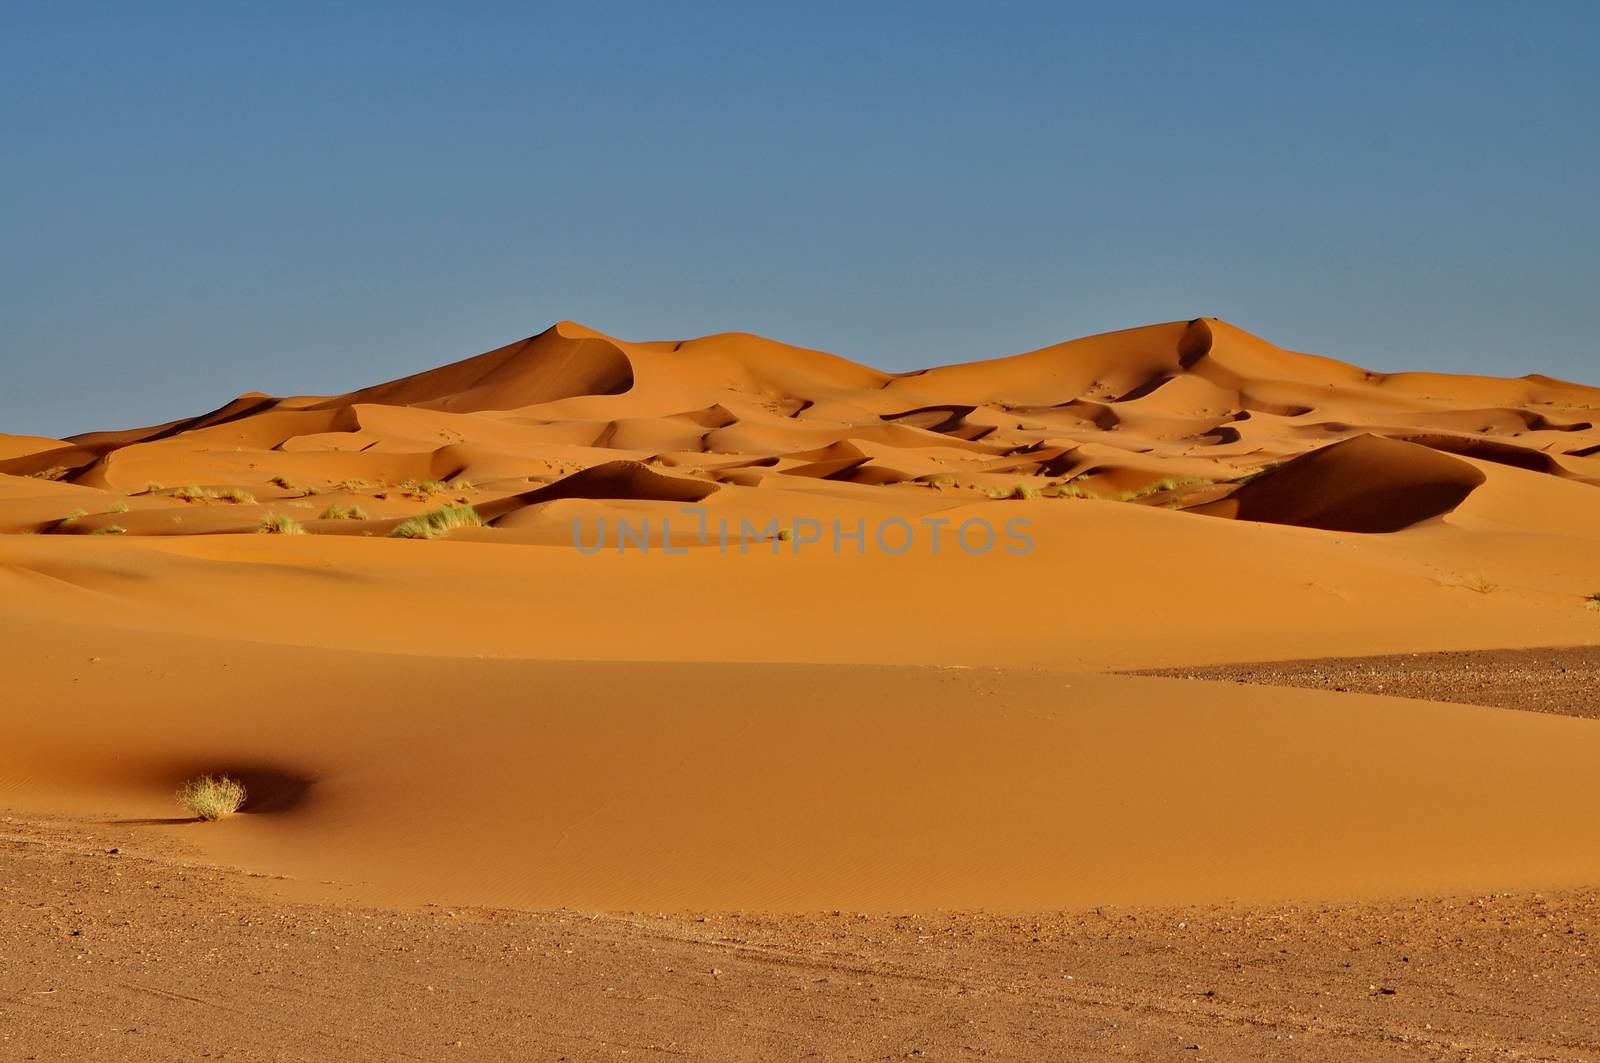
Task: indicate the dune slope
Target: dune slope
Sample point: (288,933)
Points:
(652,786)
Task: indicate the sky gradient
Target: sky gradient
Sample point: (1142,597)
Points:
(198,200)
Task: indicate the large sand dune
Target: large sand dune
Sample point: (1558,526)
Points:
(501,718)
(1174,415)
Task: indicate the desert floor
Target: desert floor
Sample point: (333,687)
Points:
(1235,761)
(119,943)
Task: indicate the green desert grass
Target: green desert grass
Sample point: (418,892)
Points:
(273,524)
(212,797)
(438,522)
(338,512)
(120,507)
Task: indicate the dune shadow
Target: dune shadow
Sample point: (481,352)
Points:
(269,791)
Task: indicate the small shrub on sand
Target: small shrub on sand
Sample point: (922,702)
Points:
(1072,490)
(272,524)
(1481,584)
(212,797)
(153,488)
(422,489)
(352,485)
(284,482)
(237,496)
(1025,492)
(110,529)
(192,493)
(438,522)
(72,518)
(1593,601)
(120,507)
(338,512)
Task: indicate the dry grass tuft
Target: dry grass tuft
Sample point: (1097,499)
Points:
(212,797)
(1073,490)
(338,512)
(438,522)
(422,490)
(272,524)
(1168,483)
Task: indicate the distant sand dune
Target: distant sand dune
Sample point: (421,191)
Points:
(1199,401)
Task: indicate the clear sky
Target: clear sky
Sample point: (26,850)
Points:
(199,199)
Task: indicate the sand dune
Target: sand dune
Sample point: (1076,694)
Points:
(1202,402)
(795,717)
(650,786)
(1366,484)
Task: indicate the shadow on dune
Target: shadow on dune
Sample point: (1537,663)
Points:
(1366,484)
(269,790)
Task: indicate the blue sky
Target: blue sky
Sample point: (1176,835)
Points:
(201,199)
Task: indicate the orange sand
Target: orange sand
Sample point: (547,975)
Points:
(496,718)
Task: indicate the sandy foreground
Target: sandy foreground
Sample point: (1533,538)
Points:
(118,944)
(510,799)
